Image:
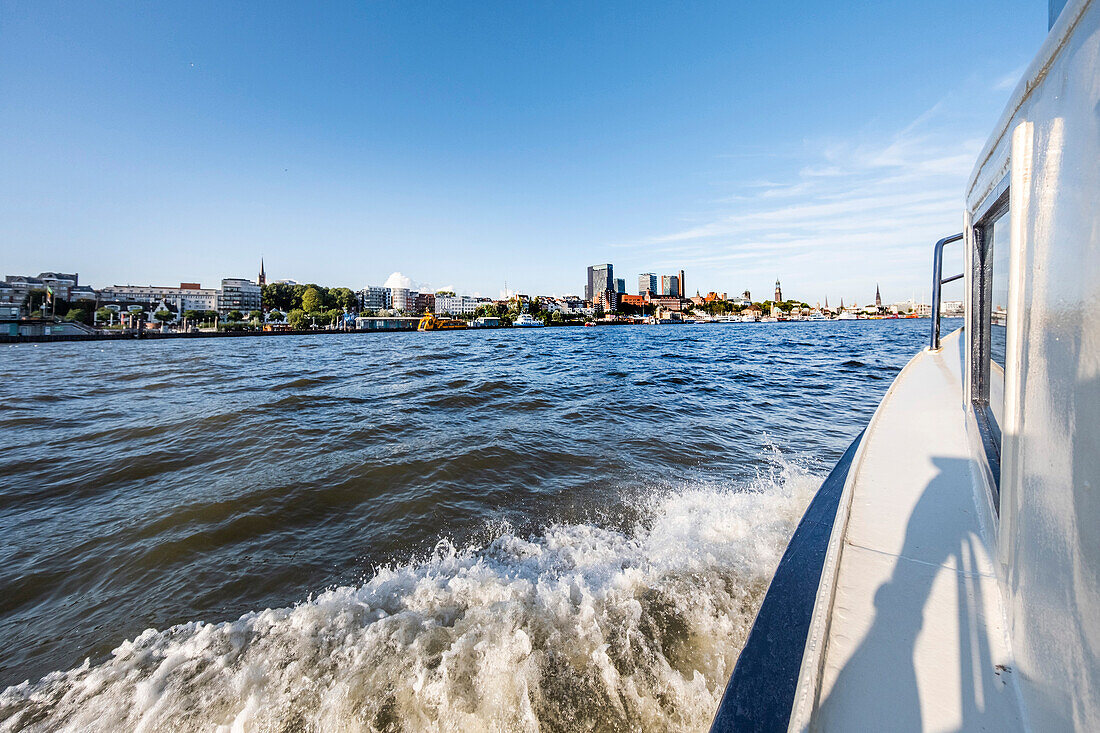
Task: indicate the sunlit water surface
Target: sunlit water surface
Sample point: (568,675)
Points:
(555,529)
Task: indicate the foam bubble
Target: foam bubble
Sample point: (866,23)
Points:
(580,627)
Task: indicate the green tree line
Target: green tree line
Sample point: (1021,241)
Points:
(312,299)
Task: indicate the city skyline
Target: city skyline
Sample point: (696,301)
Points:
(399,281)
(656,145)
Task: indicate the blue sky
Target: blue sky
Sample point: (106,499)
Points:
(469,144)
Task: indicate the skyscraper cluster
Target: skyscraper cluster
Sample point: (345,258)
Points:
(601,279)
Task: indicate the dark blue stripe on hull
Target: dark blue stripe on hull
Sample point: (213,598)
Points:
(761,689)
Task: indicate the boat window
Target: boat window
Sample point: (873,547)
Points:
(989,317)
(997,315)
(998,301)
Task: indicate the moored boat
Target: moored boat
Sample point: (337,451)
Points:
(435,323)
(526,320)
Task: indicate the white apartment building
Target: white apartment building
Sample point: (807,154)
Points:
(374,298)
(403,299)
(238,294)
(187,297)
(455,305)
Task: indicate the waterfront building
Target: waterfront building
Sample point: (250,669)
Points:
(82,292)
(620,285)
(573,305)
(608,300)
(374,298)
(59,282)
(9,300)
(647,283)
(637,301)
(188,296)
(778,292)
(601,278)
(951,309)
(386,323)
(661,314)
(403,299)
(455,305)
(240,294)
(667,302)
(670,286)
(425,303)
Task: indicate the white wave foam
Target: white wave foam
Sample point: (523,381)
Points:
(579,628)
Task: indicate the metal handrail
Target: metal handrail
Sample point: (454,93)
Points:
(938,280)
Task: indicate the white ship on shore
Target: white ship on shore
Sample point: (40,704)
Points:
(526,320)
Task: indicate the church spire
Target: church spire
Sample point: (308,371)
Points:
(878,297)
(263,275)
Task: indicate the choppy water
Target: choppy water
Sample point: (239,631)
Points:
(555,529)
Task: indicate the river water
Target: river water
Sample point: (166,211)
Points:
(543,529)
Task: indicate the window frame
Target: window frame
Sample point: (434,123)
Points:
(981,297)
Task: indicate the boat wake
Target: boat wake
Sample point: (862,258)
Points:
(580,627)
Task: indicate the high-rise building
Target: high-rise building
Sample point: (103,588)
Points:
(682,286)
(647,282)
(374,298)
(601,278)
(670,286)
(620,285)
(238,294)
(608,300)
(778,292)
(403,299)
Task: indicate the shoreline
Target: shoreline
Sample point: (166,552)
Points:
(157,336)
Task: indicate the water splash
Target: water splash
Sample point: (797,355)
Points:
(580,627)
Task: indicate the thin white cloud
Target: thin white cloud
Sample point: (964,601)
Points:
(852,212)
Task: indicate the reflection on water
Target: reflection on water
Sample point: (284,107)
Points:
(452,530)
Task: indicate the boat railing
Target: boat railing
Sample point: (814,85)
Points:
(938,281)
